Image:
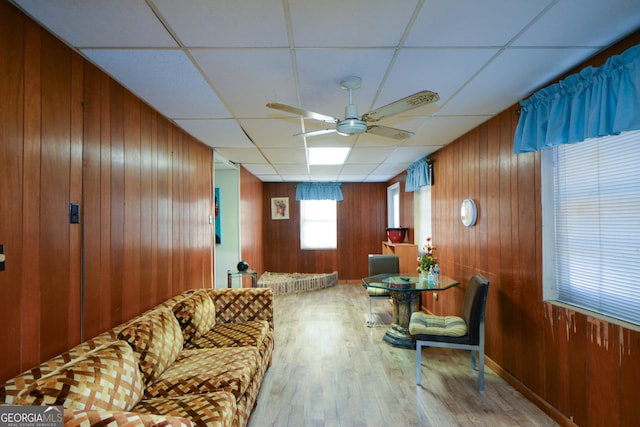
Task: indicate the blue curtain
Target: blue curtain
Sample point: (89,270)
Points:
(593,103)
(418,175)
(319,191)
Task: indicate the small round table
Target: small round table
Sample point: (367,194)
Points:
(405,291)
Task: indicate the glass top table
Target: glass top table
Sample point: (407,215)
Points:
(405,291)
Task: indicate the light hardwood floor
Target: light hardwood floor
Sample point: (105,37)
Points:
(330,369)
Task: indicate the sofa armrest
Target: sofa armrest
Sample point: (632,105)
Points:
(243,304)
(130,419)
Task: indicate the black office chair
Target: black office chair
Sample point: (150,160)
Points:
(380,264)
(466,332)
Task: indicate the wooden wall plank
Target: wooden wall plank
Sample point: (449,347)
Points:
(54,209)
(252,220)
(30,301)
(15,98)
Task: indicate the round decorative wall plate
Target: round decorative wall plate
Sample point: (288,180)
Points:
(468,212)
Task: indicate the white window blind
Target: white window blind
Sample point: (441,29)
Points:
(597,226)
(318,224)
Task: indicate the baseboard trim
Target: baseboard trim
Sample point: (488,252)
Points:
(553,413)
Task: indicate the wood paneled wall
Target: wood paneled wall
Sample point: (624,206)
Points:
(361,230)
(251,221)
(578,368)
(69,133)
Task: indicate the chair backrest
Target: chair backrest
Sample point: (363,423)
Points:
(380,264)
(475,302)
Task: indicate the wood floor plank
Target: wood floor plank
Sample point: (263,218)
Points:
(330,369)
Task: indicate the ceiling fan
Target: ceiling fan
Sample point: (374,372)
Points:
(354,125)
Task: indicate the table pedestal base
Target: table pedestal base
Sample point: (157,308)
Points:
(404,303)
(398,338)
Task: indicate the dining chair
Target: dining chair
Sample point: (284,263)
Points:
(380,264)
(466,332)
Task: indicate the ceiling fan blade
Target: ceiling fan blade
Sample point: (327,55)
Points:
(301,112)
(389,132)
(400,106)
(316,132)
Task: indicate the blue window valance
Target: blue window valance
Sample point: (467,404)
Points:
(593,103)
(418,175)
(319,191)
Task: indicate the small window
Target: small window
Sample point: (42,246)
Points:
(318,224)
(591,226)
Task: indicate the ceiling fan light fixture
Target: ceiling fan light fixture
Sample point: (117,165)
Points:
(351,127)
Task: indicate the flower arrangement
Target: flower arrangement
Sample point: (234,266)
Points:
(426,261)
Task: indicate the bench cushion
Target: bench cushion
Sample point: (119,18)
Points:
(425,324)
(108,378)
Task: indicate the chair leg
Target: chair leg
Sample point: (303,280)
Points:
(473,360)
(370,315)
(481,371)
(418,362)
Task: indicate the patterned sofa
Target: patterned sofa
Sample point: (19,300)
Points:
(196,359)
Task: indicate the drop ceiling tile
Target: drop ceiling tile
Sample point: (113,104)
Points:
(217,133)
(165,79)
(259,169)
(494,89)
(242,155)
(247,79)
(332,23)
(443,71)
(593,23)
(291,169)
(406,155)
(358,169)
(276,133)
(368,155)
(226,23)
(320,89)
(99,23)
(471,22)
(285,156)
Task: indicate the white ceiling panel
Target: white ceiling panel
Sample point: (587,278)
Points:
(440,70)
(99,23)
(321,72)
(284,156)
(337,23)
(368,155)
(212,66)
(472,22)
(249,78)
(166,79)
(226,23)
(273,133)
(583,23)
(493,89)
(217,133)
(242,155)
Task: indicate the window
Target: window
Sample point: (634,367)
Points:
(393,205)
(318,224)
(591,226)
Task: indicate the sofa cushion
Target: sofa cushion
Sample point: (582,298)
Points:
(210,409)
(123,418)
(157,339)
(196,315)
(206,370)
(108,378)
(240,334)
(426,324)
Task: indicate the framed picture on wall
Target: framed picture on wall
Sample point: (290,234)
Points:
(217,217)
(279,208)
